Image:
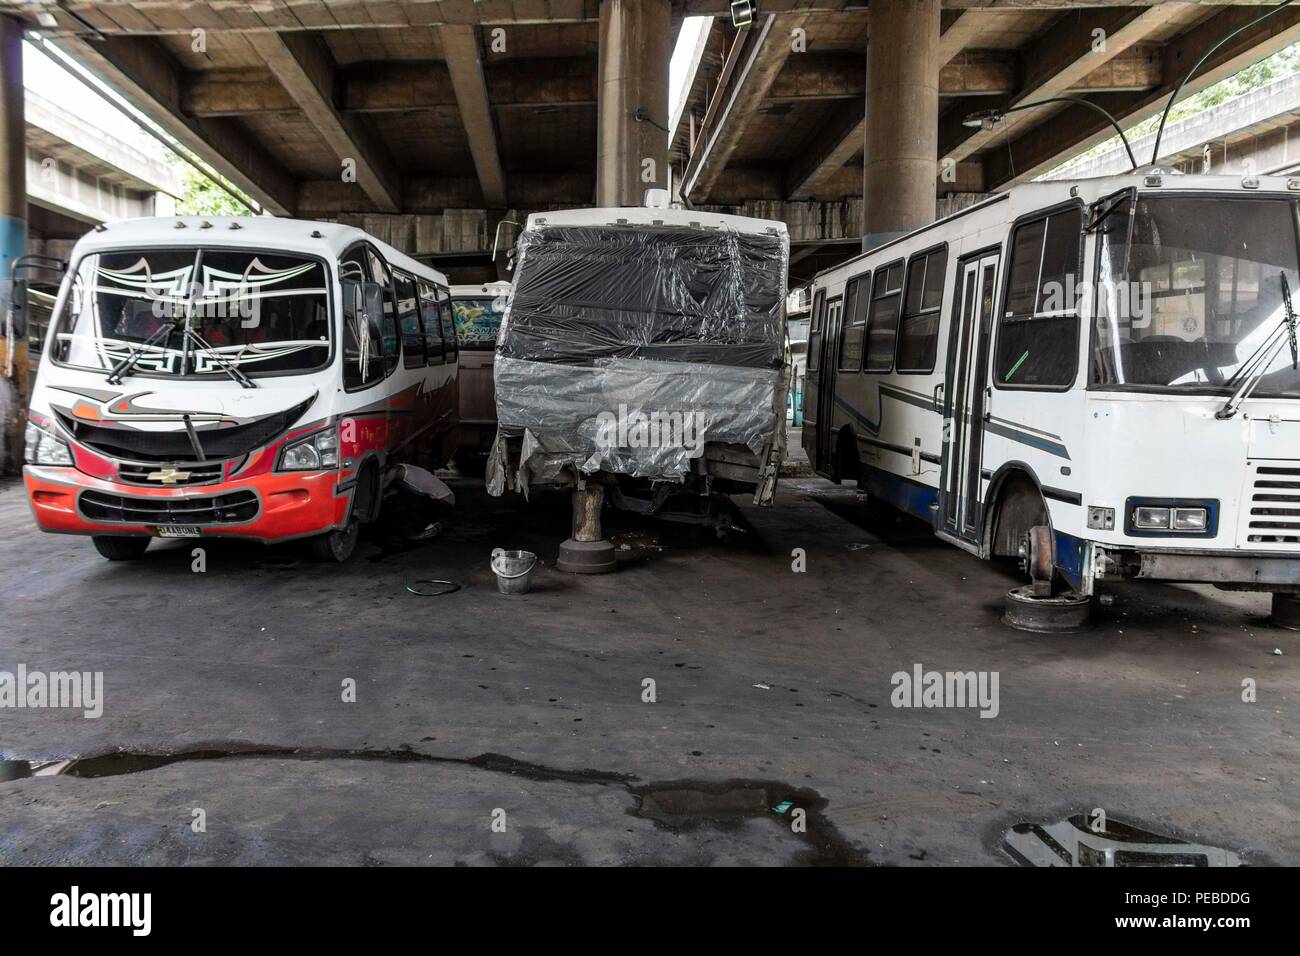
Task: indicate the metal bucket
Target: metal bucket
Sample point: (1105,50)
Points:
(514,570)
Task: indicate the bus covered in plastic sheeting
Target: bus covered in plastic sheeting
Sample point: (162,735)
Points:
(646,347)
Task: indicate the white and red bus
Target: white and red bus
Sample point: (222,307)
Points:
(238,378)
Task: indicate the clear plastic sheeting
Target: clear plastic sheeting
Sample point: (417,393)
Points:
(626,348)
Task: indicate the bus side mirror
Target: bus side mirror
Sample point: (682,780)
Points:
(363,299)
(351,298)
(373,303)
(18,307)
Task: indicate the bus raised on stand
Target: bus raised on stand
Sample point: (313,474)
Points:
(1099,377)
(235,377)
(641,363)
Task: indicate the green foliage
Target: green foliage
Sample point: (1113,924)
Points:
(1281,64)
(203,197)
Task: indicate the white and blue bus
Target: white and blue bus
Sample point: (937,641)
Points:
(1100,376)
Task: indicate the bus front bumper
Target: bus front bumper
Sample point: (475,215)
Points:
(1234,570)
(268,508)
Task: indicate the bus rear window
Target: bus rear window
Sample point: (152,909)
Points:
(477,322)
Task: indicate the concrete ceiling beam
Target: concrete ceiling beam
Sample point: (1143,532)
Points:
(306,70)
(1077,44)
(464,59)
(1078,128)
(146,75)
(767,48)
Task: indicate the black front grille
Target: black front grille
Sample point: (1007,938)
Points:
(1275,506)
(232,508)
(222,441)
(136,474)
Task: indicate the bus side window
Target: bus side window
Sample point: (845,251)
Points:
(362,349)
(918,331)
(882,324)
(448,323)
(815,330)
(408,319)
(432,325)
(1038,334)
(854,327)
(388,321)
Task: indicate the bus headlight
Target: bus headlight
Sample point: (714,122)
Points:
(316,452)
(42,448)
(1191,519)
(1174,517)
(1151,519)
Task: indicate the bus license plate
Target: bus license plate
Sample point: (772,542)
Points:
(178,531)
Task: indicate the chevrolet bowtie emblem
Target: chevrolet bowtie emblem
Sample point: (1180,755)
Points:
(168,476)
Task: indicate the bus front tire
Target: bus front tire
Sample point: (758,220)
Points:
(335,547)
(120,547)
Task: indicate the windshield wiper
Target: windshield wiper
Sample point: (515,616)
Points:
(188,335)
(1290,320)
(1252,371)
(227,366)
(125,366)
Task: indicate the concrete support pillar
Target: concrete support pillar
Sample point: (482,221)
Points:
(902,128)
(635,47)
(13,237)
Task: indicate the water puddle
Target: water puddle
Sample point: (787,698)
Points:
(685,805)
(119,762)
(1078,841)
(678,806)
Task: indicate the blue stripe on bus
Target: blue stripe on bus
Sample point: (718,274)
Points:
(857,416)
(1051,447)
(1070,553)
(1015,434)
(921,501)
(918,500)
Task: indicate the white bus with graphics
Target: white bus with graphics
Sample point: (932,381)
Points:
(235,377)
(1100,376)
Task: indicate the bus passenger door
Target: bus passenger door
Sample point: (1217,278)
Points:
(829,362)
(965,404)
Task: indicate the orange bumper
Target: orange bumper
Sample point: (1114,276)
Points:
(288,506)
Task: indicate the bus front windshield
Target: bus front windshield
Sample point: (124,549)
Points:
(1188,291)
(477,322)
(195,312)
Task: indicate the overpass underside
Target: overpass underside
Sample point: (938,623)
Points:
(425,123)
(848,120)
(428,122)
